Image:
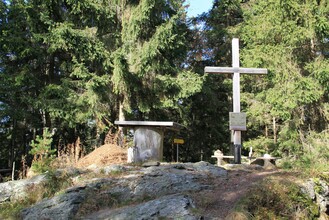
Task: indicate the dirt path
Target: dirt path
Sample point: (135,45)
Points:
(219,202)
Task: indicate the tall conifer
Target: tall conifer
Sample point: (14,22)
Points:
(69,65)
(288,38)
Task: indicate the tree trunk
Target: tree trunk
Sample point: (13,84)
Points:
(266,136)
(121,112)
(77,149)
(274,131)
(12,144)
(122,117)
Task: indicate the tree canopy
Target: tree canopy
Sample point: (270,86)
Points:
(74,67)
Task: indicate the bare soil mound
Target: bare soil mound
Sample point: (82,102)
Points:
(104,155)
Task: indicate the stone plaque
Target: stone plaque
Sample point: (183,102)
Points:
(238,121)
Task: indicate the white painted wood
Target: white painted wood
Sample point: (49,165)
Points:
(236,75)
(236,85)
(166,124)
(236,70)
(252,71)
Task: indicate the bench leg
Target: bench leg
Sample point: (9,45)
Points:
(219,161)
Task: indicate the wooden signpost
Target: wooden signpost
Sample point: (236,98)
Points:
(178,141)
(236,118)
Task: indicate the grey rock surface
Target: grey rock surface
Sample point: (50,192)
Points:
(113,169)
(245,167)
(168,207)
(165,180)
(322,196)
(151,163)
(15,190)
(266,164)
(163,185)
(319,192)
(207,169)
(308,189)
(63,206)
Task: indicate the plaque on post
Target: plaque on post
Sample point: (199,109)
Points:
(238,121)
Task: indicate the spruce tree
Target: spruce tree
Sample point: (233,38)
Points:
(69,65)
(206,113)
(288,38)
(147,66)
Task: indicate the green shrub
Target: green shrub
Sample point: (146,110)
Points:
(285,163)
(312,160)
(56,182)
(42,152)
(316,149)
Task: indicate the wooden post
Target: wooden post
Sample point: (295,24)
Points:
(274,130)
(236,98)
(13,172)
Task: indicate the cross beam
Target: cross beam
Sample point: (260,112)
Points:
(236,70)
(253,71)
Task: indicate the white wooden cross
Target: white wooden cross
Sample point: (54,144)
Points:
(236,70)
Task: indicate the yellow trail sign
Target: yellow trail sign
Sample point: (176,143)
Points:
(178,141)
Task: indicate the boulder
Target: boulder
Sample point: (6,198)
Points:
(113,169)
(318,190)
(163,185)
(267,163)
(208,169)
(167,207)
(16,190)
(166,179)
(151,163)
(63,206)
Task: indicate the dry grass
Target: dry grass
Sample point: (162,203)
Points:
(219,202)
(278,197)
(237,216)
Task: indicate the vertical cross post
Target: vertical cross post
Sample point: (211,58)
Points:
(236,70)
(236,98)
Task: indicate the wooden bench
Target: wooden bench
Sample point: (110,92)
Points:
(267,160)
(220,157)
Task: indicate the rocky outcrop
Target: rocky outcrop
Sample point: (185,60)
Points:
(127,192)
(164,180)
(15,190)
(63,206)
(175,206)
(159,188)
(318,190)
